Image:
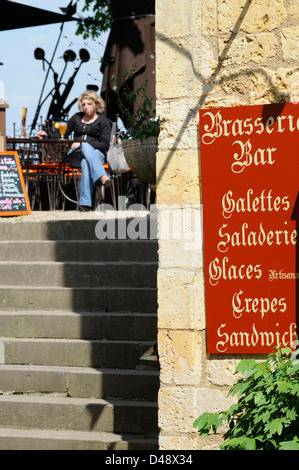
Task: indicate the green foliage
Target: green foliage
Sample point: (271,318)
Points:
(266,414)
(98,22)
(144,123)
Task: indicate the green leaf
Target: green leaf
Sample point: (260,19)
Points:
(274,427)
(289,445)
(261,416)
(245,386)
(245,365)
(201,422)
(259,373)
(232,410)
(294,389)
(247,444)
(250,397)
(291,414)
(207,421)
(286,351)
(269,389)
(259,398)
(230,444)
(295,366)
(214,419)
(265,416)
(236,388)
(283,386)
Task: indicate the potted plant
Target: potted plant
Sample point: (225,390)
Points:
(140,141)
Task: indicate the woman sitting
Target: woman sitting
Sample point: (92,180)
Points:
(93,130)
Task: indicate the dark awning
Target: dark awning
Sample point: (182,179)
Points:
(13,15)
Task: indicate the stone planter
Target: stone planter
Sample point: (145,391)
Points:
(141,158)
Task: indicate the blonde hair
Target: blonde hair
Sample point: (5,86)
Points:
(94,97)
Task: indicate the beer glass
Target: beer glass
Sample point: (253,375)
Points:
(62,128)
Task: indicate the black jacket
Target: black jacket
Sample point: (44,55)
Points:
(97,133)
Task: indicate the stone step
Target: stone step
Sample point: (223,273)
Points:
(80,382)
(79,250)
(78,274)
(96,299)
(36,439)
(78,325)
(73,352)
(78,303)
(111,228)
(78,414)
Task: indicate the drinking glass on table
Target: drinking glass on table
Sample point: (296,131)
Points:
(62,128)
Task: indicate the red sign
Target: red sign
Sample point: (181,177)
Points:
(250,182)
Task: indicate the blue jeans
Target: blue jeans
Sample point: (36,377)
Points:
(91,161)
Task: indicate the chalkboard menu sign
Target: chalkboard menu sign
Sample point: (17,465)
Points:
(13,194)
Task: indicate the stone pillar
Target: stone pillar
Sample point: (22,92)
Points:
(181,317)
(209,53)
(3,107)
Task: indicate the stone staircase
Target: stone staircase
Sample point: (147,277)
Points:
(77,326)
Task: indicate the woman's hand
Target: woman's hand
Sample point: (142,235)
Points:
(75,145)
(41,134)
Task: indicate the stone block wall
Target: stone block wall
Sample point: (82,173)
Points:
(209,53)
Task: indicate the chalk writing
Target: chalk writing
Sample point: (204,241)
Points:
(13,196)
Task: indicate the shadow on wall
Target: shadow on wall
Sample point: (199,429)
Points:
(208,84)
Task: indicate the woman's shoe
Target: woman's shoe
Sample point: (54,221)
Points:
(107,183)
(84,208)
(98,183)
